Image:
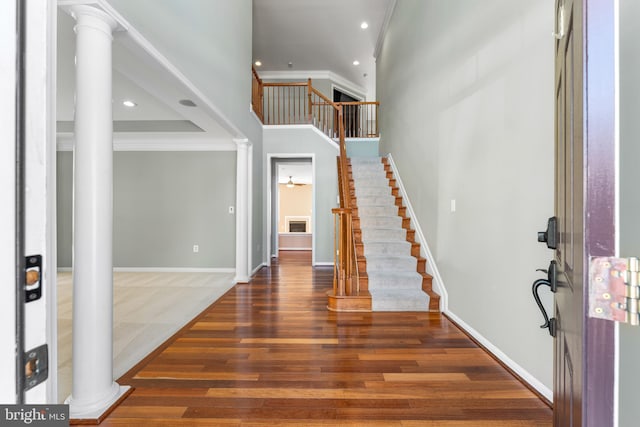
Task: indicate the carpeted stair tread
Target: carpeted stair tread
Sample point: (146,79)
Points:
(399,300)
(381,233)
(366,160)
(380,280)
(389,210)
(380,221)
(395,248)
(379,200)
(362,191)
(391,263)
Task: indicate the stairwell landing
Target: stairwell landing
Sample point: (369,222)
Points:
(388,258)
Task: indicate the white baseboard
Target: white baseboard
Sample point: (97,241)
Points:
(161,270)
(519,370)
(255,270)
(172,270)
(323,264)
(432,268)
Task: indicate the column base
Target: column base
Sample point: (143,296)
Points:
(96,411)
(242,279)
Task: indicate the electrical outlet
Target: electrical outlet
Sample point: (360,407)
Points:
(232,209)
(196,249)
(453,205)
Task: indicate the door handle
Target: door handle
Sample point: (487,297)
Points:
(550,236)
(551,324)
(552,275)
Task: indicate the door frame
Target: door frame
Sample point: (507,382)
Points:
(601,145)
(272,189)
(8,29)
(41,181)
(39,237)
(599,129)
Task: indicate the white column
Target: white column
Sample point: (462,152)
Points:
(250,211)
(242,211)
(94,390)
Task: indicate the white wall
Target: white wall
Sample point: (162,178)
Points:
(629,197)
(466,92)
(164,202)
(308,140)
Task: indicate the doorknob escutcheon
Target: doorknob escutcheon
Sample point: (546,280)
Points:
(550,236)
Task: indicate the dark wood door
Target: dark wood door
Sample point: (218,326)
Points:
(584,207)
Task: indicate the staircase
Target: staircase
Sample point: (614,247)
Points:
(389,261)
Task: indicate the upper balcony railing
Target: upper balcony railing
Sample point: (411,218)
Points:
(295,103)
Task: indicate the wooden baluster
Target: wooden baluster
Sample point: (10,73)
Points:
(289,103)
(280,89)
(336,269)
(261,92)
(300,104)
(310,91)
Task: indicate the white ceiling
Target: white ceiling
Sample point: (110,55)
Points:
(319,35)
(313,34)
(300,173)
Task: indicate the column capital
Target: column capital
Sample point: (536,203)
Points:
(242,142)
(99,15)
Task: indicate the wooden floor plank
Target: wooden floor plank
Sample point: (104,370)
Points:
(269,353)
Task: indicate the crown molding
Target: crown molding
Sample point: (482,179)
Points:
(385,25)
(156,142)
(314,74)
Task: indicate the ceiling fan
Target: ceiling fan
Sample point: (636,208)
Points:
(291,184)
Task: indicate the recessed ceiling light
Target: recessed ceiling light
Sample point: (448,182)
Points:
(257,63)
(356,62)
(364,25)
(128,103)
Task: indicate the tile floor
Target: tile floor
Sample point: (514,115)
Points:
(146,313)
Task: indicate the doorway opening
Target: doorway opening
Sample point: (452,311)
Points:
(292,209)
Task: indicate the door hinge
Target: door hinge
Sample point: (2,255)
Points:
(614,289)
(36,366)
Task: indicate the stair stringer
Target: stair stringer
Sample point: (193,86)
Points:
(432,268)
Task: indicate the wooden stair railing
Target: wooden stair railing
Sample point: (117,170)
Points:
(257,94)
(346,294)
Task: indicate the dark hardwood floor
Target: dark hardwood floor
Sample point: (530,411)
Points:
(270,354)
